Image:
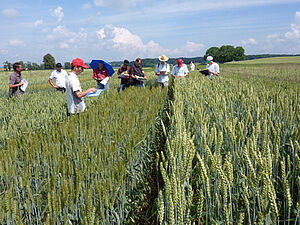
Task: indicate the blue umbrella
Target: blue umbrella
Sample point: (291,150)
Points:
(95,64)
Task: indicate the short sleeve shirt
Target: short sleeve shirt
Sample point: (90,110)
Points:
(75,104)
(60,78)
(214,67)
(121,70)
(136,71)
(15,78)
(180,71)
(166,68)
(103,73)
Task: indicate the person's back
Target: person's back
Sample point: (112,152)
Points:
(75,104)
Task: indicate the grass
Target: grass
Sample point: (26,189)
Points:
(273,60)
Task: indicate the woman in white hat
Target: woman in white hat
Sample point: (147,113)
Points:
(162,71)
(212,67)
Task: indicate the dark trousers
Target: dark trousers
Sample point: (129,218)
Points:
(62,89)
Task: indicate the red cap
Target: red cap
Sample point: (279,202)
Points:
(180,62)
(79,62)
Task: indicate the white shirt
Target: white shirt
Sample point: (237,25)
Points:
(75,104)
(166,68)
(180,71)
(60,78)
(214,67)
(192,66)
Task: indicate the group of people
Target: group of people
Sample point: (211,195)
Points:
(130,76)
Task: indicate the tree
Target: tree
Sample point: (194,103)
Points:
(226,53)
(239,53)
(67,65)
(49,61)
(214,52)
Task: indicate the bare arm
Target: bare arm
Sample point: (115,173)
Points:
(50,81)
(145,75)
(81,94)
(16,85)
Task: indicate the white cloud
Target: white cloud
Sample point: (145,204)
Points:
(64,45)
(66,38)
(38,23)
(294,33)
(3,51)
(9,13)
(16,43)
(58,13)
(87,5)
(250,41)
(129,44)
(122,40)
(101,34)
(119,4)
(274,38)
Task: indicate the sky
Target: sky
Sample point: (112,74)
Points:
(115,30)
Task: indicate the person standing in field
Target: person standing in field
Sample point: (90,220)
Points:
(162,71)
(137,74)
(60,78)
(180,70)
(74,92)
(192,66)
(212,67)
(124,69)
(15,81)
(99,75)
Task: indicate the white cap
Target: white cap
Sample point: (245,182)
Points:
(209,58)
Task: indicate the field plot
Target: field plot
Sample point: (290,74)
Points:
(272,60)
(202,152)
(233,153)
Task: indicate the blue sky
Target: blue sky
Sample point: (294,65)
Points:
(115,29)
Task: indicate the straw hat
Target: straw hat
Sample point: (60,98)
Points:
(163,58)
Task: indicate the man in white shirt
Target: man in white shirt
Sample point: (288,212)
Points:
(212,67)
(180,70)
(192,66)
(60,78)
(74,92)
(162,71)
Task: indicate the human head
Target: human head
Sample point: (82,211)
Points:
(138,61)
(209,59)
(17,67)
(100,65)
(78,66)
(163,59)
(125,63)
(180,62)
(58,67)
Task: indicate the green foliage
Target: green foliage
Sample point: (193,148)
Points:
(245,133)
(67,65)
(49,61)
(226,53)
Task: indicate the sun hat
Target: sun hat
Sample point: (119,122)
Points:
(209,58)
(79,62)
(180,62)
(163,58)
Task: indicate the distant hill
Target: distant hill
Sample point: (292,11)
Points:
(149,62)
(269,60)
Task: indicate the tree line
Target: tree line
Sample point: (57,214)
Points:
(225,53)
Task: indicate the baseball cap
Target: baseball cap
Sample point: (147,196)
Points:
(58,65)
(208,59)
(79,62)
(180,62)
